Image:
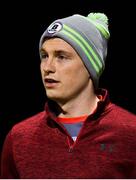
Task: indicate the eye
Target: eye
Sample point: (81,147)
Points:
(44,55)
(62,57)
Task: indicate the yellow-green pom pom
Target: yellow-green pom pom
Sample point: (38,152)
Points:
(98,16)
(100,20)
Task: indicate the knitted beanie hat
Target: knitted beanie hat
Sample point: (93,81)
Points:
(87,35)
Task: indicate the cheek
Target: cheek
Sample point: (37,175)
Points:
(75,77)
(70,75)
(78,73)
(41,70)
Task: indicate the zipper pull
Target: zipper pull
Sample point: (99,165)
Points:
(70,149)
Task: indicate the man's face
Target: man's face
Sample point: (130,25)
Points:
(63,73)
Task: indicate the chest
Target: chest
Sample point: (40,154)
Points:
(56,155)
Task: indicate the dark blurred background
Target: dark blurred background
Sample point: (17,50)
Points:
(22,23)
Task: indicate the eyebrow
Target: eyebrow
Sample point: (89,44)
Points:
(42,50)
(57,52)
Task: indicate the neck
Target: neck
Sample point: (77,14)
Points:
(79,106)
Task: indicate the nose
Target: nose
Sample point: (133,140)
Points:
(48,66)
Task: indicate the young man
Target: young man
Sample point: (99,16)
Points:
(80,134)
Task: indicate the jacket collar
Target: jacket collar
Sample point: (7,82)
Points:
(52,111)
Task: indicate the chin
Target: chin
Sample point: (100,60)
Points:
(57,99)
(52,97)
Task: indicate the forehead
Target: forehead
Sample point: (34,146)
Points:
(57,44)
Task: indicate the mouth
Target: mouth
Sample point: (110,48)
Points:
(50,83)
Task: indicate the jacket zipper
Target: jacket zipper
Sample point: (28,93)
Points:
(72,146)
(69,138)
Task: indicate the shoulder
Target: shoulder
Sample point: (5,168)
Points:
(123,114)
(29,125)
(121,120)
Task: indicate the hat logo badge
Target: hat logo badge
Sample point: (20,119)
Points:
(56,27)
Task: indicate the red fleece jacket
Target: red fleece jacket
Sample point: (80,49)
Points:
(40,147)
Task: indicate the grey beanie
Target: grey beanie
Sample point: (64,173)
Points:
(87,35)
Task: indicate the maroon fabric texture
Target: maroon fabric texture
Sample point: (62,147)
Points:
(41,148)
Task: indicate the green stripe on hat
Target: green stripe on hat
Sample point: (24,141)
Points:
(96,62)
(101,28)
(83,48)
